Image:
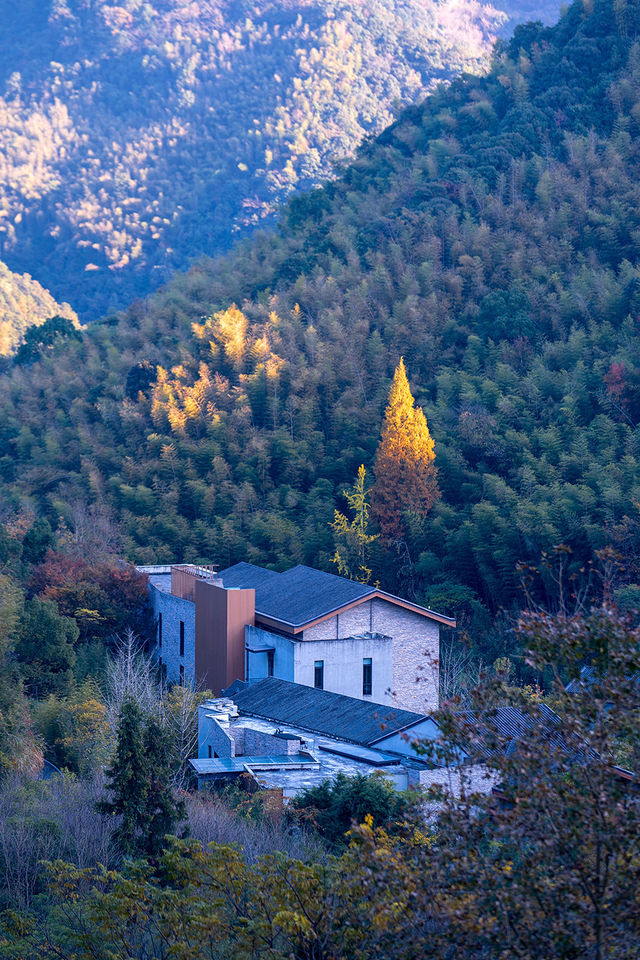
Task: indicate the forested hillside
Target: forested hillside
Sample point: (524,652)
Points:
(24,304)
(141,135)
(491,237)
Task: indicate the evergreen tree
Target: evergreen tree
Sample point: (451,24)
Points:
(139,780)
(406,478)
(163,811)
(352,537)
(129,781)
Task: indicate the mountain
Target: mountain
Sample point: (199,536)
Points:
(138,136)
(490,235)
(23,304)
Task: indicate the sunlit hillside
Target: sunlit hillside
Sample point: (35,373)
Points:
(138,136)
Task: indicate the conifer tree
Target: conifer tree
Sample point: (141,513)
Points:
(128,780)
(406,476)
(352,536)
(139,780)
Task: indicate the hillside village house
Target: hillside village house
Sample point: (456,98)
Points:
(304,626)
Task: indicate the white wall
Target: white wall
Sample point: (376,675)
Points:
(343,665)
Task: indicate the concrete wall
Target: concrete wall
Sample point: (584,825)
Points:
(283,657)
(343,665)
(416,649)
(173,610)
(213,734)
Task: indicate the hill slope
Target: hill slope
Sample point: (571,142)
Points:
(139,136)
(491,236)
(23,304)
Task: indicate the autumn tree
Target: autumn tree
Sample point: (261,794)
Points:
(406,478)
(352,537)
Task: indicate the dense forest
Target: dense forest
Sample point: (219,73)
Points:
(490,237)
(140,135)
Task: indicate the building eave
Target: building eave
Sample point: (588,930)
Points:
(296,628)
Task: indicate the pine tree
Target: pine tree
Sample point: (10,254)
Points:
(406,476)
(352,537)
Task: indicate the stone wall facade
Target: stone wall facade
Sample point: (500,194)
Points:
(257,743)
(174,610)
(472,778)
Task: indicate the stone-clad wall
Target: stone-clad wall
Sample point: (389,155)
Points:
(173,610)
(258,743)
(473,778)
(416,649)
(351,623)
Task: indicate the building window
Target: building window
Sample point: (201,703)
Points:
(367,677)
(318,674)
(182,675)
(159,629)
(182,638)
(210,752)
(270,656)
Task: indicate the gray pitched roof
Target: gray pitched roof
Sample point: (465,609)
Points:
(297,596)
(500,728)
(319,711)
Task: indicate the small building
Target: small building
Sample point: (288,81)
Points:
(304,626)
(289,736)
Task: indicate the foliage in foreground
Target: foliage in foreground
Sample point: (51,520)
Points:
(547,865)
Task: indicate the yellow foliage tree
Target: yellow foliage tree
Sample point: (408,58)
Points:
(406,476)
(352,537)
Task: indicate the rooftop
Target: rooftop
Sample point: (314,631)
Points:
(296,596)
(322,712)
(299,596)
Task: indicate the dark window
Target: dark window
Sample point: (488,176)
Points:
(270,655)
(210,752)
(182,638)
(367,676)
(181,675)
(318,674)
(159,629)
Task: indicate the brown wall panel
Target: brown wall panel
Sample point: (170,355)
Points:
(221,616)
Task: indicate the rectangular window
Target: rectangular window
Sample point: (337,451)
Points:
(182,638)
(181,675)
(367,677)
(318,674)
(159,629)
(210,752)
(270,657)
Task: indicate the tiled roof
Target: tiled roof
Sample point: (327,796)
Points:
(500,729)
(297,596)
(319,711)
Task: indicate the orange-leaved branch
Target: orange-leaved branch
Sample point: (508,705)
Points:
(405,471)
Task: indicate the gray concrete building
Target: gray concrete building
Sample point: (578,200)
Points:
(303,625)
